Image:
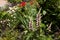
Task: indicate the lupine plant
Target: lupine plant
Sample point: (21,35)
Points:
(30,20)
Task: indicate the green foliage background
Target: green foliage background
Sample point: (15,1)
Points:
(15,25)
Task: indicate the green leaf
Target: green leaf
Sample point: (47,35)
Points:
(4,13)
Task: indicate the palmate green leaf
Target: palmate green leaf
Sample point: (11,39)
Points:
(29,36)
(3,13)
(42,25)
(44,12)
(43,37)
(49,38)
(32,12)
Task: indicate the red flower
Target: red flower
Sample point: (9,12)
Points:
(22,4)
(31,3)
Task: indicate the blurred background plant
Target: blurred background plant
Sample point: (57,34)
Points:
(30,20)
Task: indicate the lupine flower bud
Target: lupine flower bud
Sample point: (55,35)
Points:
(38,19)
(30,25)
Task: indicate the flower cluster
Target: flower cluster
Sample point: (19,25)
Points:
(22,4)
